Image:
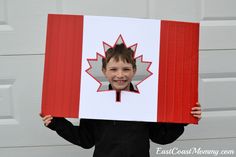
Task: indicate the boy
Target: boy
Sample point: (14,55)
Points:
(118,138)
(119,67)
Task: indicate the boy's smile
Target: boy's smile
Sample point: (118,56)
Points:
(119,74)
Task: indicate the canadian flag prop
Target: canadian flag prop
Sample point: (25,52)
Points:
(167,95)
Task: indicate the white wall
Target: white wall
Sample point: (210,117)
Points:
(22,44)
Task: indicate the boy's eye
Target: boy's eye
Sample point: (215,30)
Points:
(126,69)
(113,69)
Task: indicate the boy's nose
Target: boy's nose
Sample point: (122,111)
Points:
(120,74)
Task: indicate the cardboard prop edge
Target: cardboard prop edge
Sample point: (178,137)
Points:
(178,82)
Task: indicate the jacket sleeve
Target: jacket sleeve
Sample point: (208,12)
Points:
(165,133)
(81,135)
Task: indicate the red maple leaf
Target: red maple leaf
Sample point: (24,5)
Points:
(95,69)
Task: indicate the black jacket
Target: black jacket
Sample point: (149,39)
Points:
(117,138)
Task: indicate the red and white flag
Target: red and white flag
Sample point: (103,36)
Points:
(167,49)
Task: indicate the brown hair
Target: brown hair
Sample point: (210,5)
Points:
(120,51)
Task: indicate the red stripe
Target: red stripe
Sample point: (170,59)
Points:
(62,70)
(178,71)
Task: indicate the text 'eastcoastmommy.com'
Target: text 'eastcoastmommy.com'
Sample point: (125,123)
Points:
(193,151)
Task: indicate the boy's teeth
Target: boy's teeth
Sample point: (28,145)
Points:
(121,81)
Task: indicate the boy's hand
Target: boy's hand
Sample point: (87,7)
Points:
(46,119)
(197,111)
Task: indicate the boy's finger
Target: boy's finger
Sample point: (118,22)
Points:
(47,117)
(197,116)
(196,109)
(47,123)
(198,104)
(196,112)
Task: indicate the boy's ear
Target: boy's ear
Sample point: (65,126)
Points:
(104,71)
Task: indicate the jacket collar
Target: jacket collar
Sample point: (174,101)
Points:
(131,87)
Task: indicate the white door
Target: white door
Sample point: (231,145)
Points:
(216,131)
(22,45)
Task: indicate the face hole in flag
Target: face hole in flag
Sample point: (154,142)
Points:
(118,68)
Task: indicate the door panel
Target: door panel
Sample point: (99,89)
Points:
(22,46)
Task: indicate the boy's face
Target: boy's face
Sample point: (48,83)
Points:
(119,74)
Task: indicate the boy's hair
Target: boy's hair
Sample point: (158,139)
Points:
(120,51)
